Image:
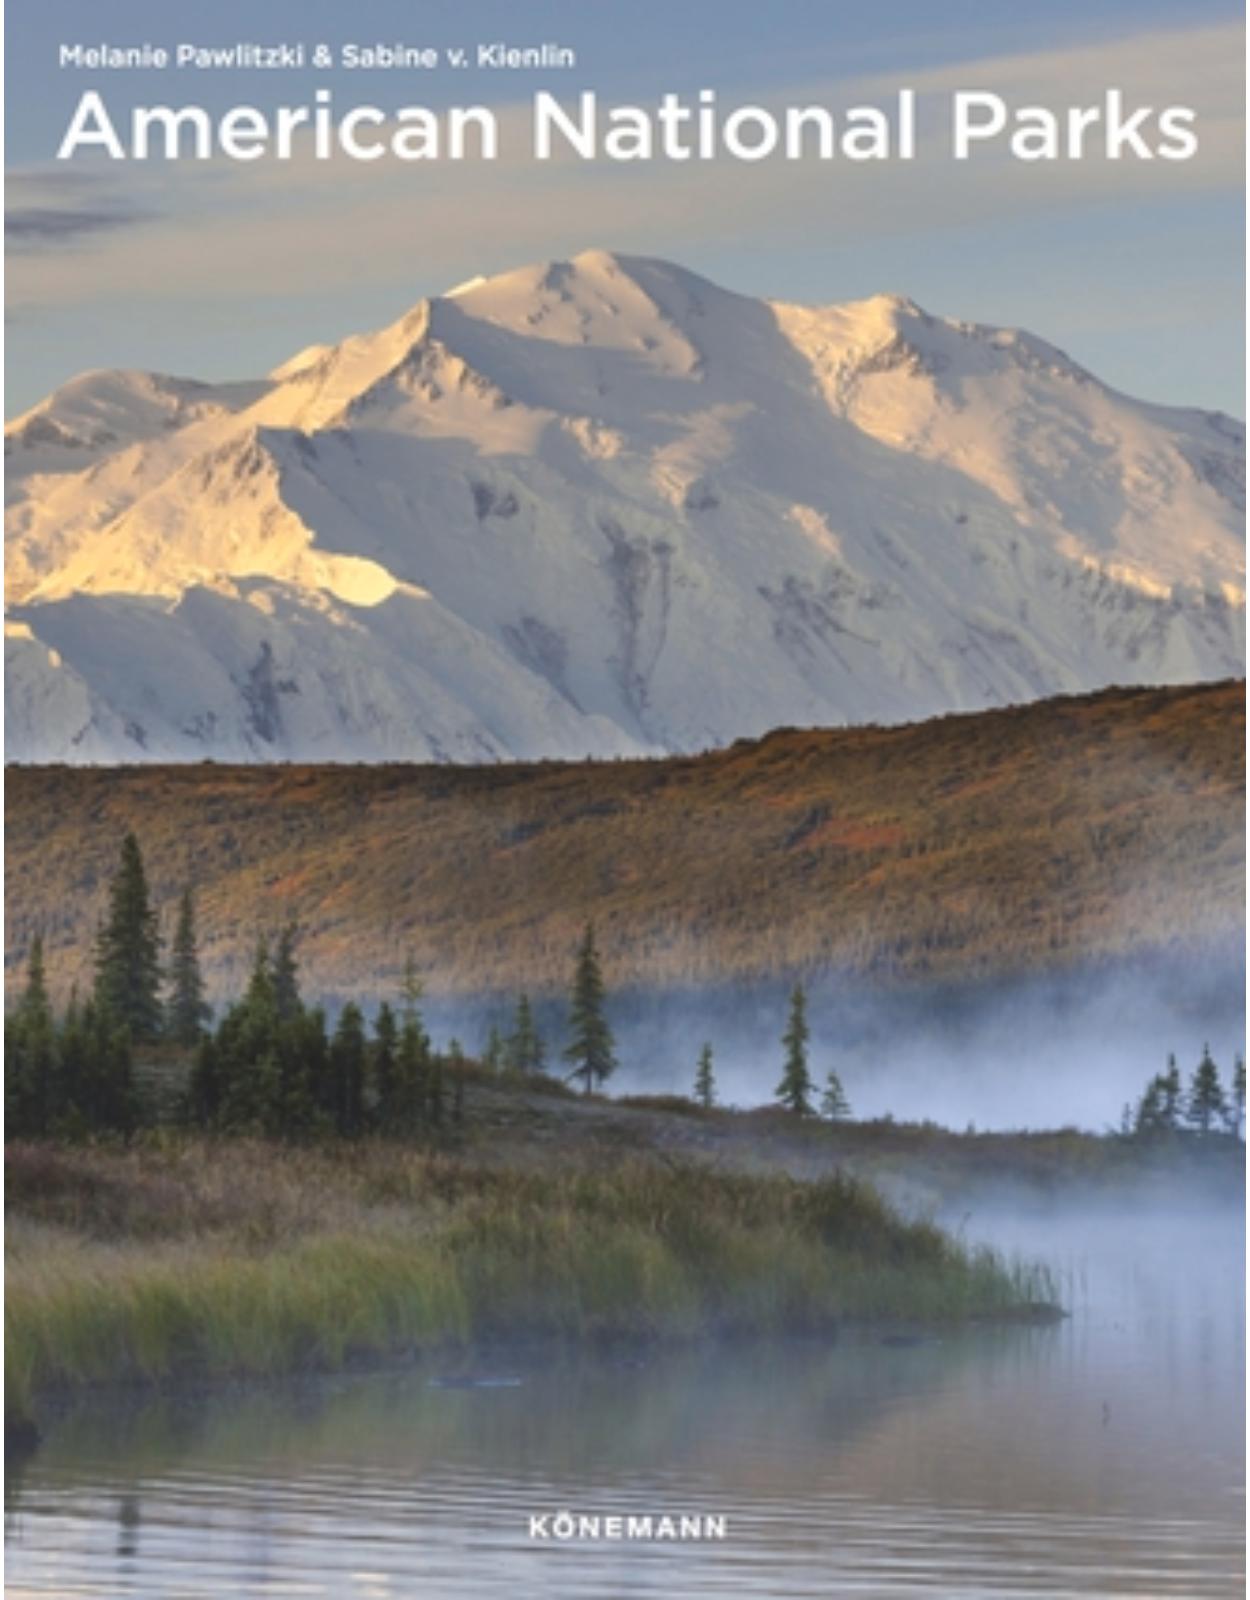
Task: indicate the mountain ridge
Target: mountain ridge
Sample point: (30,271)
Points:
(604,507)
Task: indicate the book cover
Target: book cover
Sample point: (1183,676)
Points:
(624,736)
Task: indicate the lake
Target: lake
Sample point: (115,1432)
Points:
(1102,1456)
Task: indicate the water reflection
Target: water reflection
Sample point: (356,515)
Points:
(1101,1457)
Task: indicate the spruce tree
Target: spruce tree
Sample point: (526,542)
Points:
(591,1047)
(272,1118)
(795,1089)
(310,1028)
(1151,1117)
(187,1010)
(18,1119)
(259,999)
(291,1071)
(410,1108)
(526,1051)
(410,989)
(704,1080)
(285,975)
(30,1066)
(347,1067)
(34,1008)
(128,974)
(73,1052)
(107,1098)
(833,1104)
(1206,1097)
(247,1037)
(206,1088)
(493,1054)
(1170,1096)
(348,1056)
(412,1073)
(385,1064)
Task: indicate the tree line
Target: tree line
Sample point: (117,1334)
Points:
(1202,1106)
(273,1065)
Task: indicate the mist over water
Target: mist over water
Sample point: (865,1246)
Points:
(1099,1457)
(1065,1050)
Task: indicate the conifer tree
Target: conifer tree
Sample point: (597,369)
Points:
(247,1037)
(270,1083)
(526,1051)
(73,1051)
(292,1072)
(206,1090)
(285,975)
(795,1089)
(1151,1117)
(30,1066)
(493,1054)
(1170,1095)
(107,1099)
(34,1008)
(128,972)
(347,1067)
(591,1047)
(385,1063)
(310,1029)
(187,1011)
(435,1090)
(259,998)
(704,1079)
(834,1105)
(1206,1097)
(411,989)
(412,1074)
(409,1110)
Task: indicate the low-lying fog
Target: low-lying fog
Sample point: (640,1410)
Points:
(1039,1053)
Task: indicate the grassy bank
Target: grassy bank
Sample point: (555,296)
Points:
(178,1258)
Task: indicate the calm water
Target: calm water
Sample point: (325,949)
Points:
(1101,1457)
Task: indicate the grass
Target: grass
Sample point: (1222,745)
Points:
(1071,831)
(179,1257)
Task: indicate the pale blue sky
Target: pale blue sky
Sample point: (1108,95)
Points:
(1135,270)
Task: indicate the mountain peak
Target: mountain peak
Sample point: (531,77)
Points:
(603,505)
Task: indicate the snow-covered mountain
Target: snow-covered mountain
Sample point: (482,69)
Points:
(598,507)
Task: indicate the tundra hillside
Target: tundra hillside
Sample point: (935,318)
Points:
(1039,837)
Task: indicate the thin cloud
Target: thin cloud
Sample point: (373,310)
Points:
(35,228)
(56,210)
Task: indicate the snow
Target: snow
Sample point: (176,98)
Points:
(604,507)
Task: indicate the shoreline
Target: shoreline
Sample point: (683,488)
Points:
(176,1257)
(551,1220)
(498,1364)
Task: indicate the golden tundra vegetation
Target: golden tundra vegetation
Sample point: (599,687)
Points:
(175,1258)
(971,846)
